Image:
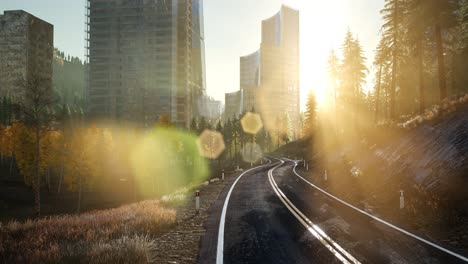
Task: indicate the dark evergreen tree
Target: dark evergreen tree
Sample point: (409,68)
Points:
(310,115)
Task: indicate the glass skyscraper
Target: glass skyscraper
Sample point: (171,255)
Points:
(279,72)
(269,77)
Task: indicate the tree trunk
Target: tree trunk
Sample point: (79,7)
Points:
(394,62)
(37,179)
(441,62)
(336,104)
(422,102)
(11,164)
(80,189)
(377,95)
(48,180)
(393,89)
(62,172)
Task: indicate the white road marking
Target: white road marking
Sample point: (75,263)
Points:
(220,248)
(329,243)
(383,221)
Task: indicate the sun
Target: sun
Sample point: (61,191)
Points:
(321,29)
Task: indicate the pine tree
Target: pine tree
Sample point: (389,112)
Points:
(194,125)
(310,115)
(392,31)
(417,27)
(353,72)
(2,111)
(228,136)
(333,68)
(381,60)
(441,14)
(202,125)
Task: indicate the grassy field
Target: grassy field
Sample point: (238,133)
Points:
(120,235)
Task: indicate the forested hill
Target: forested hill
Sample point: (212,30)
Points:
(68,79)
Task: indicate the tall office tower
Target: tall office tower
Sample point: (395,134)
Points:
(279,71)
(250,80)
(142,55)
(198,59)
(26,51)
(233,105)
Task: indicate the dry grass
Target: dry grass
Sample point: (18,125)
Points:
(108,236)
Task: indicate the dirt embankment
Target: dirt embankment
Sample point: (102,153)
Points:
(429,163)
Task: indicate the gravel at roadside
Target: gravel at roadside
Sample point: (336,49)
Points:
(181,244)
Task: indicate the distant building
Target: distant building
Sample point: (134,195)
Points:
(198,56)
(269,77)
(26,50)
(233,105)
(279,65)
(211,108)
(250,80)
(146,59)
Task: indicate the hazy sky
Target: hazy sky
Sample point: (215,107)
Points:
(233,29)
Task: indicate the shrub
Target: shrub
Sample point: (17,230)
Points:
(71,238)
(136,249)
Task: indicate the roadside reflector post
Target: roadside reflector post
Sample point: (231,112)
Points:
(222,175)
(304,163)
(307,167)
(197,201)
(251,164)
(261,161)
(325,176)
(402,200)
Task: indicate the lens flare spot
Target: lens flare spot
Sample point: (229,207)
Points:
(164,160)
(251,123)
(211,144)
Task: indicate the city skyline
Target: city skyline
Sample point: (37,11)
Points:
(226,42)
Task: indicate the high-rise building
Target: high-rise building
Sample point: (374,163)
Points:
(249,79)
(269,77)
(233,105)
(211,108)
(146,59)
(279,66)
(198,61)
(26,51)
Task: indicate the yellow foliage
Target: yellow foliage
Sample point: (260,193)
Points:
(80,161)
(24,142)
(6,141)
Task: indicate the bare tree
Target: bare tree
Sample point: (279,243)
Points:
(34,108)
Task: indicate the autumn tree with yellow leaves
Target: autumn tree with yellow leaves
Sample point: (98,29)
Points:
(80,164)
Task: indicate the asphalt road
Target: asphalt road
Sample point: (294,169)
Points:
(260,228)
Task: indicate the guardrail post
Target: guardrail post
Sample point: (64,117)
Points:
(325,176)
(197,201)
(402,200)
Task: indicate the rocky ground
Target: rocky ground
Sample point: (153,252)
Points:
(181,244)
(428,163)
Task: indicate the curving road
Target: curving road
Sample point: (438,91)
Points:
(271,215)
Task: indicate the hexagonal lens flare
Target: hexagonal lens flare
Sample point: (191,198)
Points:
(211,144)
(251,123)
